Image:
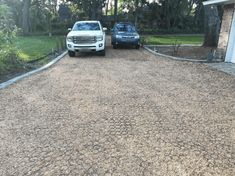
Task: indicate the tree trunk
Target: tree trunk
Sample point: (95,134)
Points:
(99,10)
(166,14)
(96,10)
(212,26)
(25,17)
(107,8)
(136,12)
(115,10)
(136,19)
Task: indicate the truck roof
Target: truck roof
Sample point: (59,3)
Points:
(89,21)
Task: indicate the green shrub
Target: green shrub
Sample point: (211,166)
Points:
(8,30)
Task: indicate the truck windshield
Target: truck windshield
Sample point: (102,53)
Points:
(86,27)
(125,28)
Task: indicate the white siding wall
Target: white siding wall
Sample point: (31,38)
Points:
(230,54)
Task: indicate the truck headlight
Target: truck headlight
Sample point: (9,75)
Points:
(118,36)
(137,37)
(70,39)
(99,38)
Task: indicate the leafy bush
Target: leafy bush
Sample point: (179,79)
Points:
(8,30)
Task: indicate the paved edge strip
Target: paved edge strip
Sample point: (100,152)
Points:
(220,69)
(173,45)
(172,57)
(14,80)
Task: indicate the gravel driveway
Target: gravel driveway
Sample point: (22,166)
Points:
(130,113)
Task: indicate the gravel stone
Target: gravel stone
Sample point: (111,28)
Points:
(128,113)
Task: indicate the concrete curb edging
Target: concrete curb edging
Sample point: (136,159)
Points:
(173,45)
(172,57)
(14,80)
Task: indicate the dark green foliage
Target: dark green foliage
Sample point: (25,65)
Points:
(8,31)
(163,16)
(91,8)
(64,12)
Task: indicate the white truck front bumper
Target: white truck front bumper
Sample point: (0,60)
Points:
(98,46)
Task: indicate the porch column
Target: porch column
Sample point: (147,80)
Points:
(225,31)
(230,54)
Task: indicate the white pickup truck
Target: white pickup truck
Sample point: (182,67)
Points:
(86,36)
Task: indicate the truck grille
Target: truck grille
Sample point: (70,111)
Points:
(128,37)
(84,39)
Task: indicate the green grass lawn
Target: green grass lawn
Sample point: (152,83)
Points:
(34,47)
(169,40)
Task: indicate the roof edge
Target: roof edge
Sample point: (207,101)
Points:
(214,2)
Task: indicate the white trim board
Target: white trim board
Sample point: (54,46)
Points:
(211,2)
(230,53)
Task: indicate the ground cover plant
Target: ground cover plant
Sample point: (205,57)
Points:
(34,47)
(8,51)
(171,39)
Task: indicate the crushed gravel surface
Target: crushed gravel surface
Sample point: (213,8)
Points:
(129,113)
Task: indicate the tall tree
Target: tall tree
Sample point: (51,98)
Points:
(135,7)
(115,10)
(212,26)
(107,7)
(16,9)
(25,17)
(174,12)
(92,8)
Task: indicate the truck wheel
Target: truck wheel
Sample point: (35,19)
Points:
(71,53)
(137,47)
(102,53)
(114,46)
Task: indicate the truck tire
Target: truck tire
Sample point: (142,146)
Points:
(114,46)
(102,53)
(71,53)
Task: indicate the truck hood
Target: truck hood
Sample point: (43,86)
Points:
(84,33)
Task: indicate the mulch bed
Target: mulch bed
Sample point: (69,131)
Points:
(188,52)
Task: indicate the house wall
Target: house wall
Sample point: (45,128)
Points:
(225,31)
(230,54)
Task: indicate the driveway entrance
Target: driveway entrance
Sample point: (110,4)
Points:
(129,113)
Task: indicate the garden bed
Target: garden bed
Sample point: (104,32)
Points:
(191,52)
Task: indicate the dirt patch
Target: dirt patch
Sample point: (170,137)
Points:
(188,52)
(13,67)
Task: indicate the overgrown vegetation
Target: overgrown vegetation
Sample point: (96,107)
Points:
(176,47)
(35,47)
(15,50)
(8,30)
(170,39)
(55,16)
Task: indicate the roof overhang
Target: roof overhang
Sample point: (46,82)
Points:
(214,2)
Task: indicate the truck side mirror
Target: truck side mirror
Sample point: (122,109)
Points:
(69,29)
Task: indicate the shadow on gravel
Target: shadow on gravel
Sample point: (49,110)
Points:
(127,53)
